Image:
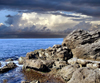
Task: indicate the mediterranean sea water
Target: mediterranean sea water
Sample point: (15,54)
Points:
(14,48)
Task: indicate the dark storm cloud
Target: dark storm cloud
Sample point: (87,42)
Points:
(4,29)
(88,2)
(8,32)
(88,7)
(66,15)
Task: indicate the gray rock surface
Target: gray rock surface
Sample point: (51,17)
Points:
(84,44)
(37,64)
(85,75)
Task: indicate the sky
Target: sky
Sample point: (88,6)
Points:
(47,18)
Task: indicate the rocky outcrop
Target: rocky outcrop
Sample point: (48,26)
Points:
(84,44)
(51,57)
(85,75)
(70,60)
(8,67)
(57,52)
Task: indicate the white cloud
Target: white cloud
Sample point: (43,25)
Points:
(52,22)
(1,24)
(37,21)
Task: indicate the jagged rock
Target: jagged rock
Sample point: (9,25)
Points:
(84,44)
(49,49)
(8,67)
(64,55)
(57,46)
(10,59)
(21,60)
(75,38)
(48,63)
(67,71)
(59,64)
(36,64)
(59,50)
(85,75)
(72,61)
(32,55)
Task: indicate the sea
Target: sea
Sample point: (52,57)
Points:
(15,48)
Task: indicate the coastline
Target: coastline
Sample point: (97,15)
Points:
(76,60)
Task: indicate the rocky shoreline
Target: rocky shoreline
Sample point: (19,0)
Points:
(77,60)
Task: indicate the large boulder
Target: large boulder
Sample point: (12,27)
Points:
(36,64)
(8,67)
(84,44)
(67,71)
(85,75)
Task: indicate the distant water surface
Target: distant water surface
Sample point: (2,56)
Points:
(14,48)
(19,47)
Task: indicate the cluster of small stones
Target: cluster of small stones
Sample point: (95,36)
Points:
(57,52)
(52,57)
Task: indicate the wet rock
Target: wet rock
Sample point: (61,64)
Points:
(84,44)
(5,81)
(67,71)
(85,75)
(10,59)
(8,67)
(21,60)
